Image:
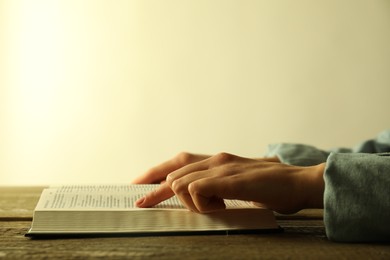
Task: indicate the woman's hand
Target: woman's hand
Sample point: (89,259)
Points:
(202,182)
(159,173)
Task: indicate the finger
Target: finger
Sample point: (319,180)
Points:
(156,174)
(162,193)
(181,180)
(186,200)
(181,188)
(206,204)
(160,172)
(186,174)
(208,194)
(205,164)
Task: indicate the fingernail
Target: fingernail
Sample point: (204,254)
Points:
(140,201)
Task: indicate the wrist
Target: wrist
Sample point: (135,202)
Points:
(314,186)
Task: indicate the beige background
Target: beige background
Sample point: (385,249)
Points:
(99,91)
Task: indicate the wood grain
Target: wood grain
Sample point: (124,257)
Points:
(296,242)
(18,202)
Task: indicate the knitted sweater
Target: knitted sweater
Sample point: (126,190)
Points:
(357,186)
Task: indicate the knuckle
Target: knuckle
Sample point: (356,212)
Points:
(178,187)
(193,188)
(201,205)
(222,158)
(169,178)
(184,158)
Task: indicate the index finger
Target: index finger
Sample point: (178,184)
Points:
(163,192)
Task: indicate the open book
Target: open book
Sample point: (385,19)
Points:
(109,210)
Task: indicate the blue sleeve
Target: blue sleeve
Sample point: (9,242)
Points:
(357,186)
(306,155)
(357,197)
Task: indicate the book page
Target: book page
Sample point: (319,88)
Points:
(108,197)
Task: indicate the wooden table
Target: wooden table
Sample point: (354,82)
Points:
(304,237)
